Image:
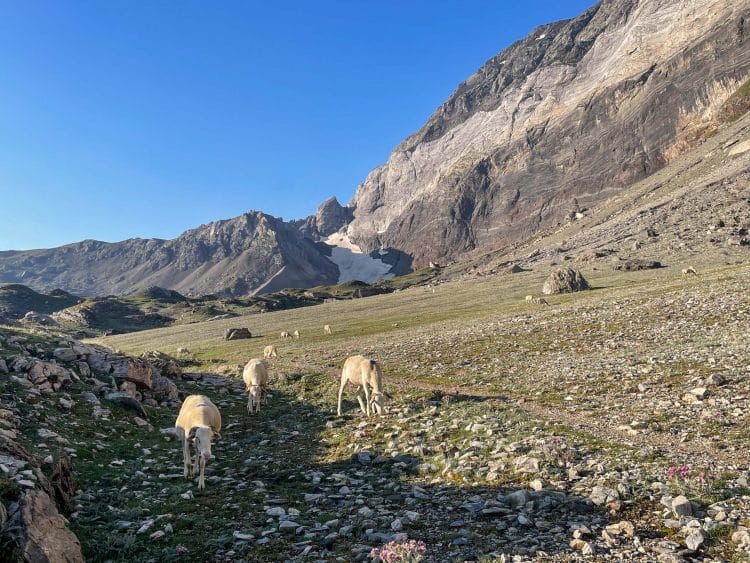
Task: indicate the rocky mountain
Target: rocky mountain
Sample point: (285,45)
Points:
(557,123)
(560,120)
(234,257)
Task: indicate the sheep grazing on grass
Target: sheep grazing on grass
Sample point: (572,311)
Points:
(689,271)
(255,376)
(327,330)
(529,299)
(366,375)
(285,334)
(295,334)
(540,301)
(182,350)
(198,423)
(269,352)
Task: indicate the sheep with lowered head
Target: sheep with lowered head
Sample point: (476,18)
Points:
(255,376)
(365,373)
(269,352)
(198,423)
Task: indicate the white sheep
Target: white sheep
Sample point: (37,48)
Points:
(295,334)
(255,376)
(689,270)
(529,299)
(269,352)
(285,334)
(327,330)
(366,375)
(198,423)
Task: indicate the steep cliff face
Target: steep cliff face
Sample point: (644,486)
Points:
(232,257)
(566,117)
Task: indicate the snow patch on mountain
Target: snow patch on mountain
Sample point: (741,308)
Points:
(353,263)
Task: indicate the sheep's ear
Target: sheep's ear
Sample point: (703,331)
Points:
(217,436)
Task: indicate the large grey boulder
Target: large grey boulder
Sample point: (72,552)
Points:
(565,280)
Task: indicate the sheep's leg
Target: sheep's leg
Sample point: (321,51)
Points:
(249,403)
(362,406)
(202,478)
(367,397)
(187,466)
(341,393)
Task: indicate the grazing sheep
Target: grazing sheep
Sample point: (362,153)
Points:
(269,352)
(529,299)
(327,330)
(285,334)
(255,376)
(182,350)
(295,334)
(689,270)
(540,301)
(366,375)
(198,423)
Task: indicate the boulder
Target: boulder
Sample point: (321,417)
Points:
(64,354)
(167,364)
(564,280)
(44,374)
(165,390)
(139,372)
(47,537)
(237,333)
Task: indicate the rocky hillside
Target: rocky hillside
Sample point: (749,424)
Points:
(234,257)
(559,121)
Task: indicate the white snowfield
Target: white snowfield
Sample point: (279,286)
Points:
(353,263)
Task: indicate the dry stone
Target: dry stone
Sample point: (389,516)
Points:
(565,280)
(47,537)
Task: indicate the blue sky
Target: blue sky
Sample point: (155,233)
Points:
(123,119)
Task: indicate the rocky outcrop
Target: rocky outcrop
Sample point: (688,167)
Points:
(234,257)
(564,118)
(330,217)
(564,280)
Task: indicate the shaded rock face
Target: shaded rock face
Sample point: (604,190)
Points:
(568,116)
(48,540)
(234,257)
(564,280)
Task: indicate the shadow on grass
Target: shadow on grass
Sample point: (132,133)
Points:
(293,462)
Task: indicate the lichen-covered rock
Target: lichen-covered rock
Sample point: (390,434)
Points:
(564,280)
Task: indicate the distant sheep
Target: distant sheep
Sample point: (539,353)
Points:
(366,375)
(689,271)
(285,334)
(182,350)
(540,301)
(327,330)
(295,334)
(198,423)
(269,352)
(529,299)
(255,376)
